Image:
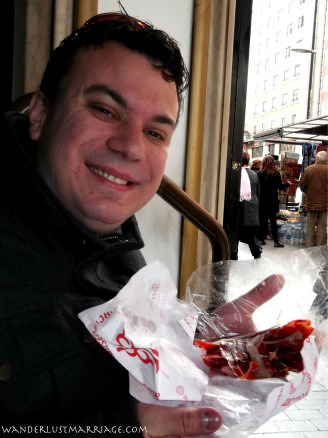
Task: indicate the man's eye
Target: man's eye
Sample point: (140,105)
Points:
(104,111)
(155,135)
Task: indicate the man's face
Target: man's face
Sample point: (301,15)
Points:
(103,143)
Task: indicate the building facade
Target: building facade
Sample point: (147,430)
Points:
(288,69)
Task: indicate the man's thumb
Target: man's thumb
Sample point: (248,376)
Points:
(162,421)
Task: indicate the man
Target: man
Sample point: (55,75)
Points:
(248,220)
(314,182)
(91,154)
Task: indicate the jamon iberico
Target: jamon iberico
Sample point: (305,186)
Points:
(270,353)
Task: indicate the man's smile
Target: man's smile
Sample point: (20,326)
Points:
(108,176)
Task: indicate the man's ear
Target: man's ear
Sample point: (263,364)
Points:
(37,114)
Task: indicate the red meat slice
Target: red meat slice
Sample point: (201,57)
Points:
(269,353)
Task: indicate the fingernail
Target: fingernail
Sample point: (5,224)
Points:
(211,420)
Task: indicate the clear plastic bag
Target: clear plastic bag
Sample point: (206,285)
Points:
(247,404)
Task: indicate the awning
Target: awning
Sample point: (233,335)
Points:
(311,130)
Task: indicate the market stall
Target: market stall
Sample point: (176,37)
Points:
(308,137)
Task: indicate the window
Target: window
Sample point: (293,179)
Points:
(263,126)
(257,152)
(286,148)
(258,68)
(295,95)
(324,107)
(284,99)
(302,1)
(273,124)
(283,121)
(287,52)
(301,22)
(265,84)
(290,29)
(276,58)
(271,149)
(274,103)
(264,106)
(275,80)
(294,118)
(256,109)
(254,129)
(267,64)
(286,75)
(297,70)
(278,36)
(279,15)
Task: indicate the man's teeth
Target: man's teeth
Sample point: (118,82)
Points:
(108,176)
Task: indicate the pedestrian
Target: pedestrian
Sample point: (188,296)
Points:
(256,165)
(248,218)
(314,182)
(270,185)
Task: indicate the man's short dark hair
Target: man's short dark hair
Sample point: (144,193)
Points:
(245,159)
(156,45)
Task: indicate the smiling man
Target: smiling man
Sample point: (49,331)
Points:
(90,155)
(104,141)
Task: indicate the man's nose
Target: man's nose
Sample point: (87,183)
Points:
(128,141)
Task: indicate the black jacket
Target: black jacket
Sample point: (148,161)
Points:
(270,185)
(51,370)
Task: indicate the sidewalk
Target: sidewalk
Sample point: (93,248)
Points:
(307,418)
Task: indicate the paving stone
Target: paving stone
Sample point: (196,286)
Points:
(321,424)
(310,404)
(296,426)
(317,434)
(318,387)
(317,395)
(306,414)
(283,435)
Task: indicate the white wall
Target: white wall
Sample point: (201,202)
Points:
(160,224)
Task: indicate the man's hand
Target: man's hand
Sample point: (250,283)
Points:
(163,422)
(234,317)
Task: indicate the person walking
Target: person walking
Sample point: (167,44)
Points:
(270,185)
(256,165)
(314,182)
(248,218)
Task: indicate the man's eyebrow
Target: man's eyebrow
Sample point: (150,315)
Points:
(166,120)
(119,99)
(98,88)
